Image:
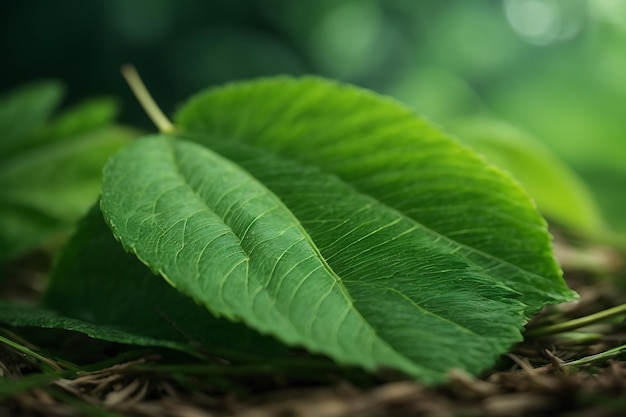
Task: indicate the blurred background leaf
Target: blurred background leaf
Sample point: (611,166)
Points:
(559,193)
(50,171)
(552,70)
(25,110)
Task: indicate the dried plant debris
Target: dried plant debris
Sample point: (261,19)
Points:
(576,373)
(517,392)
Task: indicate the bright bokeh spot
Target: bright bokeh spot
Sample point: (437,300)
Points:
(533,20)
(543,22)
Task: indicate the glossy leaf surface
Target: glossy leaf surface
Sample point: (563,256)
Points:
(270,236)
(220,236)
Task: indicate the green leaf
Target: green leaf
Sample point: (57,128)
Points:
(51,174)
(326,267)
(559,193)
(25,110)
(96,282)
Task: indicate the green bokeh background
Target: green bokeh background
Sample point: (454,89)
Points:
(553,68)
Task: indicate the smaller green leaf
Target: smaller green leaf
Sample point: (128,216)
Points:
(95,281)
(20,315)
(25,110)
(558,191)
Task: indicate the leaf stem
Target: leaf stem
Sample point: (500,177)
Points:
(28,353)
(145,99)
(577,323)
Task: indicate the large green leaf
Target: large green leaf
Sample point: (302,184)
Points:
(324,266)
(50,173)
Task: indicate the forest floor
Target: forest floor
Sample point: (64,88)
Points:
(576,373)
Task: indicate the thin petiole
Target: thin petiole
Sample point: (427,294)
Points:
(145,99)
